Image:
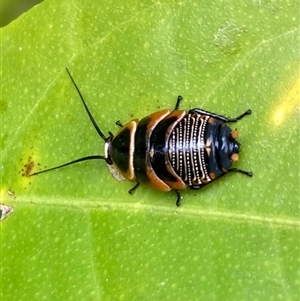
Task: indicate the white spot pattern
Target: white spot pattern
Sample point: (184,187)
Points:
(187,149)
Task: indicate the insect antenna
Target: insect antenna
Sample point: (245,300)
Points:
(93,157)
(86,108)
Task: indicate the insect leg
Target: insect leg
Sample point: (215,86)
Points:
(244,172)
(220,117)
(118,122)
(131,191)
(248,112)
(178,200)
(179,99)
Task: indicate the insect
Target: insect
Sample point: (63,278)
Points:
(169,149)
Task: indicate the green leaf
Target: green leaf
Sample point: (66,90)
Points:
(75,233)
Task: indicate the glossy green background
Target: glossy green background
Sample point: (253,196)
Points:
(76,234)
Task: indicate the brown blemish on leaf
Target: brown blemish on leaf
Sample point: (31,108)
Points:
(28,167)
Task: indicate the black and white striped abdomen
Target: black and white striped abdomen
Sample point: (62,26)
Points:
(187,150)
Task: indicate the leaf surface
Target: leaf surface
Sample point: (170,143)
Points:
(75,233)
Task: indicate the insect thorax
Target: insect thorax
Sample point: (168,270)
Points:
(188,150)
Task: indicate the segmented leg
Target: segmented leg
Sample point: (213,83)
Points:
(179,99)
(131,191)
(220,117)
(248,112)
(178,200)
(244,172)
(118,122)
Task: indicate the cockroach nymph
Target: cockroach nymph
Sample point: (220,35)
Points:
(169,149)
